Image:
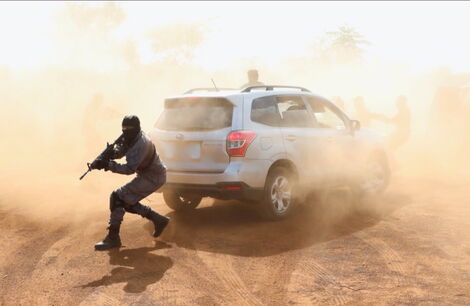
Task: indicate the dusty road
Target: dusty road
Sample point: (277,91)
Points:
(411,246)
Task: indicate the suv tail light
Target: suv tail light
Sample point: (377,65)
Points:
(238,142)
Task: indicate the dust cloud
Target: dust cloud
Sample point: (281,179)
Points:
(58,117)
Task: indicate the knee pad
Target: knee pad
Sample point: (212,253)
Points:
(115,201)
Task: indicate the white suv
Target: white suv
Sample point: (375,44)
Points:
(269,144)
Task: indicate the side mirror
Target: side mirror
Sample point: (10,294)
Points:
(355,125)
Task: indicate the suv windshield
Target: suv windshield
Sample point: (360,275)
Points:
(195,114)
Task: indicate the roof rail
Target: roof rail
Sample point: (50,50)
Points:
(207,89)
(271,87)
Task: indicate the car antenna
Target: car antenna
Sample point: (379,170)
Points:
(216,89)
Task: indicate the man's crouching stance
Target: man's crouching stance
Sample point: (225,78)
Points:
(142,158)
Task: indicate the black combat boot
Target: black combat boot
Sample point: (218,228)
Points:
(159,221)
(111,241)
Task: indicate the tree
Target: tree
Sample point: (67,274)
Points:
(343,45)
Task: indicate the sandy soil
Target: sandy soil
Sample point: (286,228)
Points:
(411,246)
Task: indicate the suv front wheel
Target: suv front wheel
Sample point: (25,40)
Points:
(278,197)
(179,202)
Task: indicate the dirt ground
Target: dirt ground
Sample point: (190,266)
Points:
(410,246)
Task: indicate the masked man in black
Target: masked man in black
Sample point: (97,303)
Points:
(142,158)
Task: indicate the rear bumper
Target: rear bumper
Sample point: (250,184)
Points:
(250,171)
(223,190)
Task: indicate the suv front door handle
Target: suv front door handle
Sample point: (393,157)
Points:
(291,137)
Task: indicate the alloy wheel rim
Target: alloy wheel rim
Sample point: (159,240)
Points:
(281,193)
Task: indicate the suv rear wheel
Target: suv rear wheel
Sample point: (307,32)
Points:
(278,197)
(179,202)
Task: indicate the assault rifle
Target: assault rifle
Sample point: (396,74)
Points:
(106,154)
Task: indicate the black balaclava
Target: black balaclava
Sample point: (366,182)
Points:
(130,128)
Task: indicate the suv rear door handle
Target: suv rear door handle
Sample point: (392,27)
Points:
(291,137)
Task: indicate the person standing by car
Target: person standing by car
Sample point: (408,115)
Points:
(401,122)
(143,159)
(362,114)
(252,79)
(339,102)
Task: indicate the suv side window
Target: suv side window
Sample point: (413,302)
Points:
(264,110)
(294,112)
(326,115)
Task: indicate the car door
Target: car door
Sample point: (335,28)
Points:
(333,133)
(297,126)
(265,121)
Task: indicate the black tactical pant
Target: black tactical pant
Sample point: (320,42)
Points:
(126,198)
(118,208)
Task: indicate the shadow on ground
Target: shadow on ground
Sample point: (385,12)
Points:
(231,227)
(138,268)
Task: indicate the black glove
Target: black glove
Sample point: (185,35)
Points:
(99,164)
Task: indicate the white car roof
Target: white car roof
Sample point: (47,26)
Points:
(238,92)
(210,94)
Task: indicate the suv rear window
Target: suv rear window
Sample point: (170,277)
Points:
(264,110)
(285,111)
(195,114)
(293,112)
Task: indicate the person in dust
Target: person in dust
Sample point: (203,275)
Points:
(450,115)
(339,102)
(143,159)
(401,122)
(465,125)
(252,79)
(362,113)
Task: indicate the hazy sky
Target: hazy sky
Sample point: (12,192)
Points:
(420,34)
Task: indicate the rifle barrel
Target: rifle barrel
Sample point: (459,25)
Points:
(84,174)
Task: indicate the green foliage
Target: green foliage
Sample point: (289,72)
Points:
(341,46)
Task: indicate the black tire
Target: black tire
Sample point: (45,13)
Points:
(275,204)
(180,202)
(361,187)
